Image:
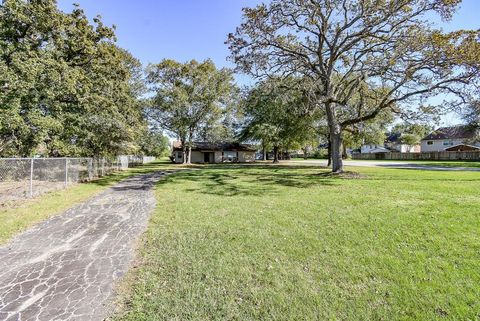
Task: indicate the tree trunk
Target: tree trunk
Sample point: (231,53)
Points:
(329,152)
(344,151)
(189,158)
(335,132)
(184,150)
(305,153)
(275,155)
(336,149)
(264,153)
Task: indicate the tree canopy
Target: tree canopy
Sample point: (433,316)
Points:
(277,115)
(153,143)
(363,56)
(350,66)
(190,98)
(66,88)
(472,113)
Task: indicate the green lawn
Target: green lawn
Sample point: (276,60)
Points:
(452,164)
(471,164)
(17,218)
(294,243)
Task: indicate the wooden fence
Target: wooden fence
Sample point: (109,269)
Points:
(440,156)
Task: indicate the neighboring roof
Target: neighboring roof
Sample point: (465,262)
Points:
(455,132)
(324,146)
(378,150)
(218,146)
(462,148)
(393,138)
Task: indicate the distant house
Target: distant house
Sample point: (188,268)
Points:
(373,149)
(219,152)
(394,143)
(456,138)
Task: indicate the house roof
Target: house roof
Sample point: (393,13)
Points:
(219,146)
(455,132)
(462,148)
(378,150)
(393,137)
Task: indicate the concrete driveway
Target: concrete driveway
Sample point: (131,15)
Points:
(66,267)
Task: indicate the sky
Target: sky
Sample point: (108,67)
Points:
(153,30)
(179,29)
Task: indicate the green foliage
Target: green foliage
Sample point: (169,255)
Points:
(410,139)
(411,133)
(274,116)
(371,131)
(472,114)
(416,129)
(67,89)
(190,98)
(154,144)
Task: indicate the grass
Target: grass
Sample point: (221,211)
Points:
(29,212)
(295,243)
(467,164)
(439,163)
(471,164)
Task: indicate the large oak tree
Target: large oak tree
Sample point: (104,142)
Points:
(66,88)
(384,52)
(189,97)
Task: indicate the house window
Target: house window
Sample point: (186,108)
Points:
(430,142)
(179,155)
(229,156)
(447,143)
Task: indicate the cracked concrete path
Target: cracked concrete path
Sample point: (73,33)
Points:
(66,267)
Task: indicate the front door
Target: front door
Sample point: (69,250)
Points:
(207,157)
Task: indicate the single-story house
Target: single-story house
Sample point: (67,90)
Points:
(216,152)
(447,138)
(373,149)
(394,143)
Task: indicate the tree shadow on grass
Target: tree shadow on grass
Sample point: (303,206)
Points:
(446,176)
(266,179)
(115,177)
(248,180)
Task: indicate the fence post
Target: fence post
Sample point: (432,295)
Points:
(31,178)
(66,172)
(90,169)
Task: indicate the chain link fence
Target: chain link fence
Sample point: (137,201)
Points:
(29,177)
